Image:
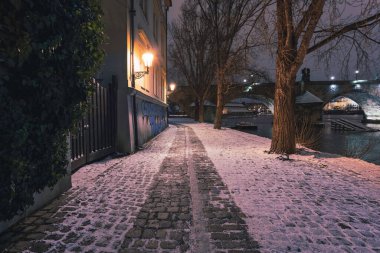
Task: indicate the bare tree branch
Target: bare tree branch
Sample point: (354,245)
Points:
(351,27)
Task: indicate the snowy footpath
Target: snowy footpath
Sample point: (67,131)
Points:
(196,189)
(315,202)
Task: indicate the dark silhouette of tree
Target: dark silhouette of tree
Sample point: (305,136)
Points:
(192,50)
(232,24)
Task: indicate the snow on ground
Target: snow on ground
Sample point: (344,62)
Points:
(314,203)
(152,155)
(87,175)
(105,199)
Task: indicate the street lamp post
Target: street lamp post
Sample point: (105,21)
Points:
(172,87)
(356,74)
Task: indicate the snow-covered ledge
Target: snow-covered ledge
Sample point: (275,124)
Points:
(44,197)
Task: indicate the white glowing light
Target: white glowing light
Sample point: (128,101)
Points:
(172,86)
(360,81)
(148,59)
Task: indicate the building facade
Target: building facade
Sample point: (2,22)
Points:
(134,28)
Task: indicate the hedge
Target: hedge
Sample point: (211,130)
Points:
(49,50)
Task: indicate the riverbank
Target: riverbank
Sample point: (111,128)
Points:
(345,143)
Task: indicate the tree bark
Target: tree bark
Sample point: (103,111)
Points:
(201,111)
(283,136)
(219,106)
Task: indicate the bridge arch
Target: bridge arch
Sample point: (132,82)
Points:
(370,104)
(268,102)
(252,99)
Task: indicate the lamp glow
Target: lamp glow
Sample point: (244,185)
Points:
(172,86)
(148,59)
(356,74)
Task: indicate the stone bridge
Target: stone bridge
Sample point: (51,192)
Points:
(366,93)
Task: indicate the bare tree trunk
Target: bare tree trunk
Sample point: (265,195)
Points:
(201,111)
(219,106)
(283,136)
(219,92)
(293,44)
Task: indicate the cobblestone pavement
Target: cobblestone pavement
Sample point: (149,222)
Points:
(175,202)
(96,213)
(224,220)
(164,220)
(169,221)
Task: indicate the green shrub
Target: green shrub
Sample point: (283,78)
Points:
(49,49)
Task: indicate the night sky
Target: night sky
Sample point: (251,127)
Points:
(267,62)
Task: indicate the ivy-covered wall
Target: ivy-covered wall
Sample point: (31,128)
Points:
(49,49)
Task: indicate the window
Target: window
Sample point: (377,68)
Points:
(137,68)
(163,42)
(154,25)
(157,83)
(162,86)
(154,81)
(144,7)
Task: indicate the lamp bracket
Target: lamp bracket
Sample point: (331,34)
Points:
(140,74)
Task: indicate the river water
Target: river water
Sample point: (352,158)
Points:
(332,141)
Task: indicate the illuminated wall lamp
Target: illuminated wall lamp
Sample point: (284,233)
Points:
(148,60)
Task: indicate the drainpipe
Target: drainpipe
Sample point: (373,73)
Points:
(132,13)
(132,60)
(166,63)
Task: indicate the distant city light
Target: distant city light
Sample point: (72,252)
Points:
(251,75)
(358,86)
(356,74)
(245,80)
(332,78)
(360,81)
(333,86)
